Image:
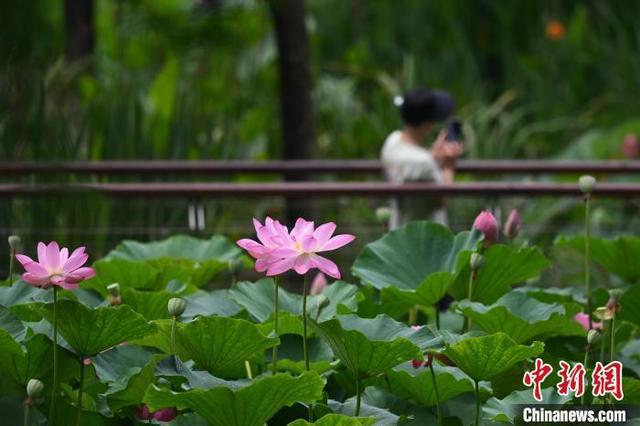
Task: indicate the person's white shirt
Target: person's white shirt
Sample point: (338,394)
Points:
(404,161)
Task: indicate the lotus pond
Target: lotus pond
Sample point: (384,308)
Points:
(434,328)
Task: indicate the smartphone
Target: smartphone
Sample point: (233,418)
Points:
(454,131)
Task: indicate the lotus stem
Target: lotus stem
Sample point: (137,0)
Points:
(274,356)
(587,262)
(612,344)
(413,315)
(437,316)
(80,389)
(358,397)
(477,403)
(55,385)
(12,254)
(435,389)
(174,325)
(586,368)
(304,323)
(247,367)
(604,340)
(467,320)
(27,412)
(304,334)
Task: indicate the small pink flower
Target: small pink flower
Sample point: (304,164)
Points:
(630,147)
(87,361)
(318,284)
(512,225)
(583,320)
(488,225)
(268,235)
(300,250)
(163,415)
(56,267)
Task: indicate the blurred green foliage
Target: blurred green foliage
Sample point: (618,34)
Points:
(196,79)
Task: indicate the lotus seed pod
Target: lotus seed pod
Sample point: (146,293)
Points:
(592,336)
(586,184)
(476,261)
(34,388)
(114,289)
(615,294)
(176,306)
(15,242)
(383,214)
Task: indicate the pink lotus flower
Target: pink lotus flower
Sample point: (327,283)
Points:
(162,415)
(300,250)
(270,235)
(488,225)
(583,320)
(318,284)
(56,267)
(512,225)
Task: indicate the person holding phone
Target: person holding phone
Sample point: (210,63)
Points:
(406,159)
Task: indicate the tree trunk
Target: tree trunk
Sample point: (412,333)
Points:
(78,17)
(296,98)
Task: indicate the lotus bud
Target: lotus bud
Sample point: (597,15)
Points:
(176,306)
(488,225)
(592,336)
(15,242)
(318,284)
(586,184)
(512,225)
(476,261)
(630,147)
(383,214)
(34,388)
(114,294)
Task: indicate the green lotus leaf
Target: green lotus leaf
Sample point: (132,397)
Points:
(337,420)
(630,303)
(252,404)
(118,364)
(382,417)
(127,273)
(291,357)
(11,323)
(428,293)
(521,317)
(372,346)
(507,410)
(150,304)
(504,266)
(405,257)
(133,392)
(416,384)
(179,246)
(484,357)
(219,345)
(21,363)
(91,331)
(258,299)
(618,256)
(203,303)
